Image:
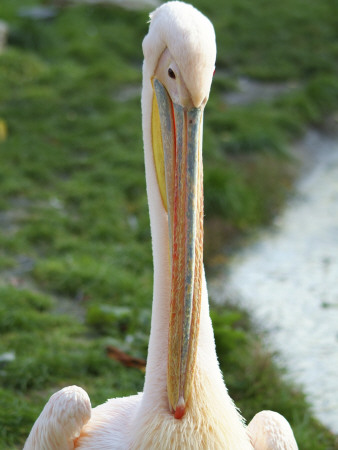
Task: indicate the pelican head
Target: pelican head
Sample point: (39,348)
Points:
(180,54)
(182,39)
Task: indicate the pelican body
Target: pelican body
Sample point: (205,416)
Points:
(185,403)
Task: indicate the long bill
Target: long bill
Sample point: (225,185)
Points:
(178,160)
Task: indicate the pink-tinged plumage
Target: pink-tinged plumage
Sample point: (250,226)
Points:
(180,39)
(269,430)
(61,420)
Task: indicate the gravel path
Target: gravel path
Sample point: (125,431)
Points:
(288,280)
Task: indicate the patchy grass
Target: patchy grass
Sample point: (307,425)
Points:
(75,242)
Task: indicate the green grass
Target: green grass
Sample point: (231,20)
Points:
(75,241)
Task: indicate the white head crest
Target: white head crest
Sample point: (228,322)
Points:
(190,38)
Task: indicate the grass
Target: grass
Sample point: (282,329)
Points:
(75,242)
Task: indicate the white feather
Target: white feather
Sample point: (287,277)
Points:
(61,420)
(269,430)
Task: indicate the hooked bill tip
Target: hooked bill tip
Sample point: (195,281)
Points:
(180,409)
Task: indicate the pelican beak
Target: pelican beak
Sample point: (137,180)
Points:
(177,146)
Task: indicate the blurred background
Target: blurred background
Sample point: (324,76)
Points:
(75,249)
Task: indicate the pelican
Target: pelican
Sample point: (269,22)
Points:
(185,403)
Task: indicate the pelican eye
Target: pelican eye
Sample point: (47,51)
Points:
(171,73)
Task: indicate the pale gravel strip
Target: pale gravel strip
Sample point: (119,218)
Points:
(288,281)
